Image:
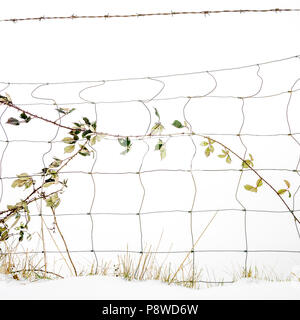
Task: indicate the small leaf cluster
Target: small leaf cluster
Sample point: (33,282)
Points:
(161,147)
(84,130)
(5,99)
(65,111)
(17,209)
(53,201)
(209,146)
(87,130)
(51,173)
(24,179)
(23,229)
(225,154)
(126,143)
(158,127)
(283,191)
(259,183)
(177,124)
(16,122)
(248,162)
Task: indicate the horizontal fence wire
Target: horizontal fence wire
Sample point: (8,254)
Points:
(191,210)
(152,14)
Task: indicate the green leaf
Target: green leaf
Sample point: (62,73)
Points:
(8,97)
(157,128)
(207,151)
(125,143)
(247,163)
(17,183)
(93,140)
(65,110)
(159,145)
(250,188)
(86,120)
(122,142)
(5,99)
(56,163)
(157,114)
(287,183)
(84,151)
(28,183)
(94,125)
(204,143)
(259,183)
(48,184)
(70,148)
(84,154)
(24,180)
(163,152)
(53,201)
(177,124)
(13,121)
(210,141)
(24,176)
(68,140)
(96,138)
(228,159)
(23,116)
(86,134)
(10,207)
(221,155)
(281,191)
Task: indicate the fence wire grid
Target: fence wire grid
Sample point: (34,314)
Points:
(146,137)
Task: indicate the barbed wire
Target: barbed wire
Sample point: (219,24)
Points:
(152,14)
(190,134)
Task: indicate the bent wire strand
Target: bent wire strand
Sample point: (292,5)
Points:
(192,210)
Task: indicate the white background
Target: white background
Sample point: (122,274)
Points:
(55,51)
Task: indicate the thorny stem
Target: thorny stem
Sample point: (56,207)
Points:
(11,212)
(10,104)
(35,190)
(239,157)
(71,157)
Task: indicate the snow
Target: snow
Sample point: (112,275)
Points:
(103,288)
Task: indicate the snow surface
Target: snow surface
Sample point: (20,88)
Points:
(102,288)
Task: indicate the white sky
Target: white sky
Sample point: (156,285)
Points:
(96,49)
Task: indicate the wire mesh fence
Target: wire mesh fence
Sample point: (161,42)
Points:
(120,203)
